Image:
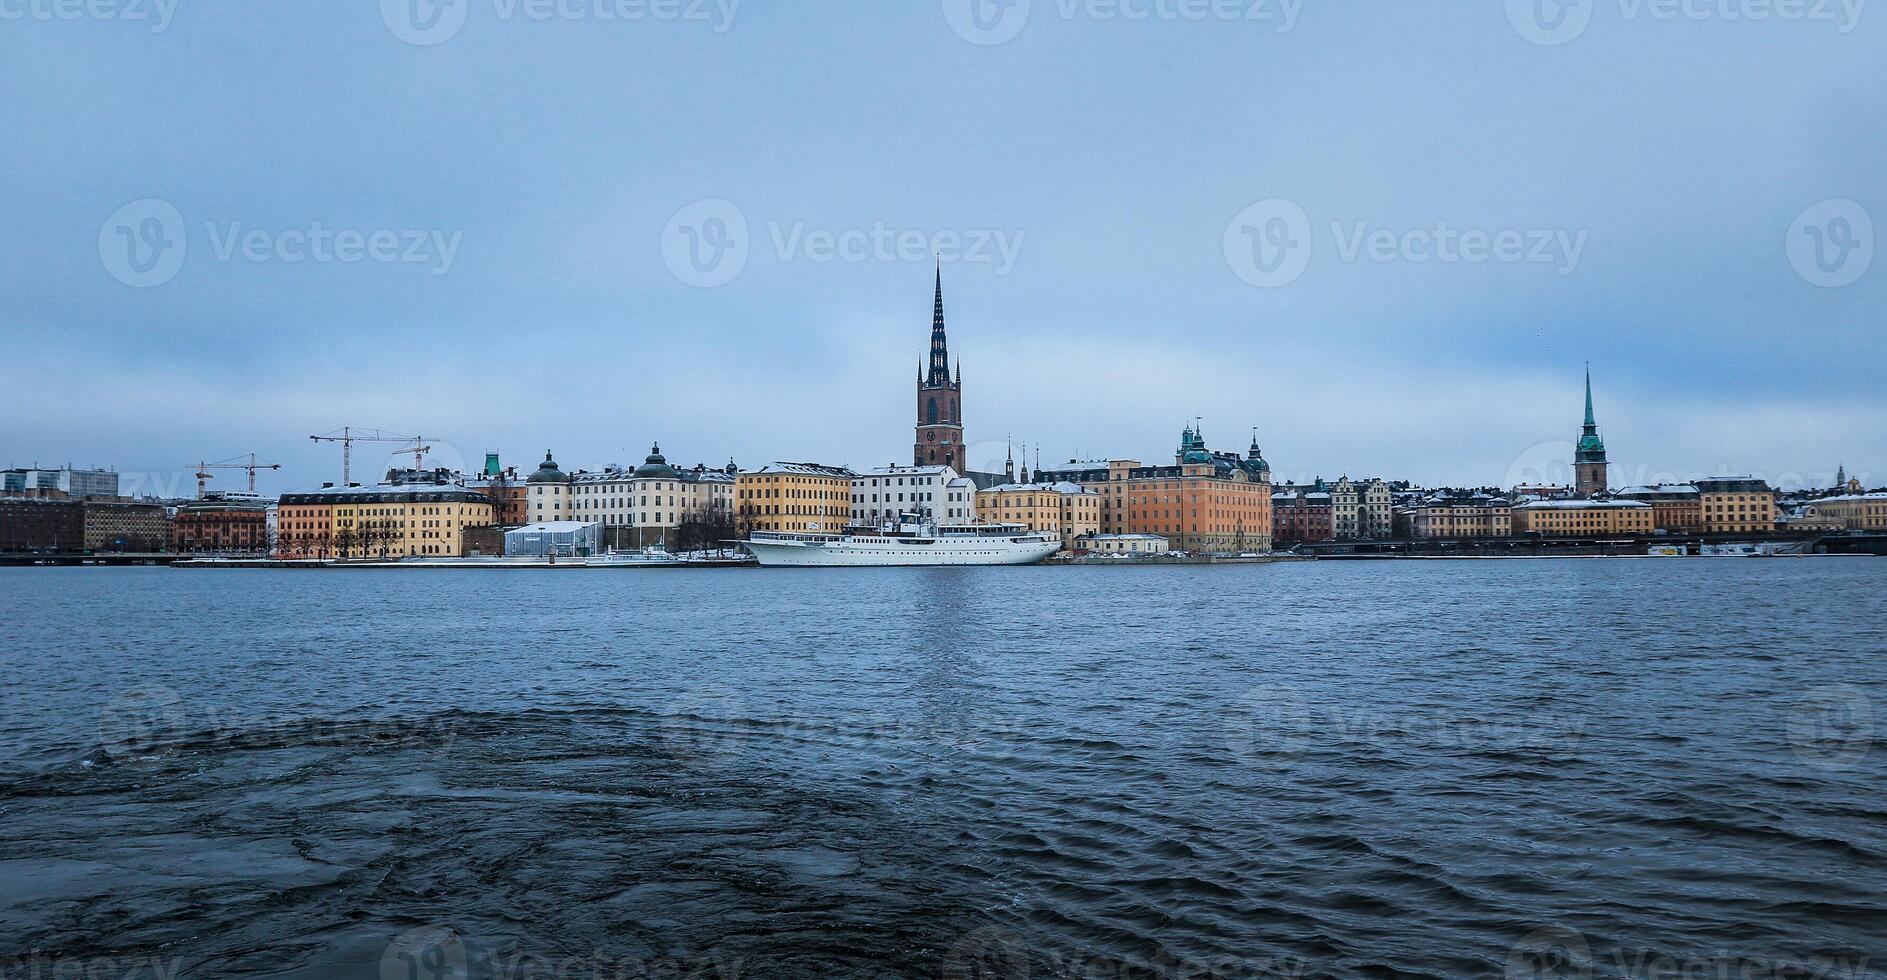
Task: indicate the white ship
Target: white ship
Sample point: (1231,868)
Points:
(909,542)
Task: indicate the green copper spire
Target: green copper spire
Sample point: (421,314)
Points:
(1591,444)
(1590,421)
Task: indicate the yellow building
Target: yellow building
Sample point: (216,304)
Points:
(1674,507)
(1474,516)
(793,497)
(1067,509)
(386,521)
(1854,511)
(1582,518)
(1736,505)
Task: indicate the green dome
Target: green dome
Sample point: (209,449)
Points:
(656,466)
(547,472)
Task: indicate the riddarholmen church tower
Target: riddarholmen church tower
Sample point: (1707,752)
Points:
(1589,465)
(940,400)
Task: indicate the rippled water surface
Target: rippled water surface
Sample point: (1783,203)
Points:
(1538,768)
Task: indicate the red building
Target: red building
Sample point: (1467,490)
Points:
(222,522)
(1300,515)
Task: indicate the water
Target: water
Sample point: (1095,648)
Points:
(1538,768)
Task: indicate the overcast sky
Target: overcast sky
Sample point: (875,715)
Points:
(1388,235)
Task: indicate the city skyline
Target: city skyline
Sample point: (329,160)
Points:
(554,303)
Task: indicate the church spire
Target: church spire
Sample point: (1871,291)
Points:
(1591,423)
(939,344)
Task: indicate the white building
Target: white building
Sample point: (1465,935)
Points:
(564,539)
(936,492)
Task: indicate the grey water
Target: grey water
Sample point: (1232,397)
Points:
(1449,768)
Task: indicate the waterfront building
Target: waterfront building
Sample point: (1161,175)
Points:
(793,497)
(1069,510)
(1360,511)
(1589,466)
(222,521)
(1736,505)
(547,493)
(559,539)
(1675,507)
(648,507)
(939,439)
(1302,515)
(935,492)
(1124,544)
(391,520)
(1582,518)
(39,525)
(123,526)
(31,481)
(1852,511)
(1205,501)
(510,495)
(1473,514)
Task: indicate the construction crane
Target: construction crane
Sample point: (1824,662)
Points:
(204,475)
(348,435)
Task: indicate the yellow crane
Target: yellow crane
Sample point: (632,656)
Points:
(233,463)
(348,435)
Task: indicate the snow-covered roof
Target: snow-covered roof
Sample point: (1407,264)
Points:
(1582,505)
(1062,486)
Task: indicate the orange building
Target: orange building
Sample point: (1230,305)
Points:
(1205,501)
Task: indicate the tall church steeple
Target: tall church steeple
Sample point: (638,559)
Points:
(939,439)
(1589,463)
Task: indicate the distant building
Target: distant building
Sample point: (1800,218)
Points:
(1361,511)
(1124,544)
(793,497)
(1853,511)
(939,439)
(36,525)
(1589,465)
(122,526)
(1205,501)
(1068,510)
(1674,507)
(547,493)
(649,506)
(1736,505)
(936,492)
(560,539)
(1302,515)
(1461,515)
(390,520)
(222,521)
(1582,518)
(77,484)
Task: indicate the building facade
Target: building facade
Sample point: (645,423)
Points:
(222,522)
(938,493)
(1736,505)
(37,525)
(1302,515)
(401,520)
(1582,518)
(124,527)
(1465,515)
(1068,510)
(547,496)
(76,484)
(793,497)
(1675,507)
(1853,511)
(1361,511)
(654,505)
(1124,544)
